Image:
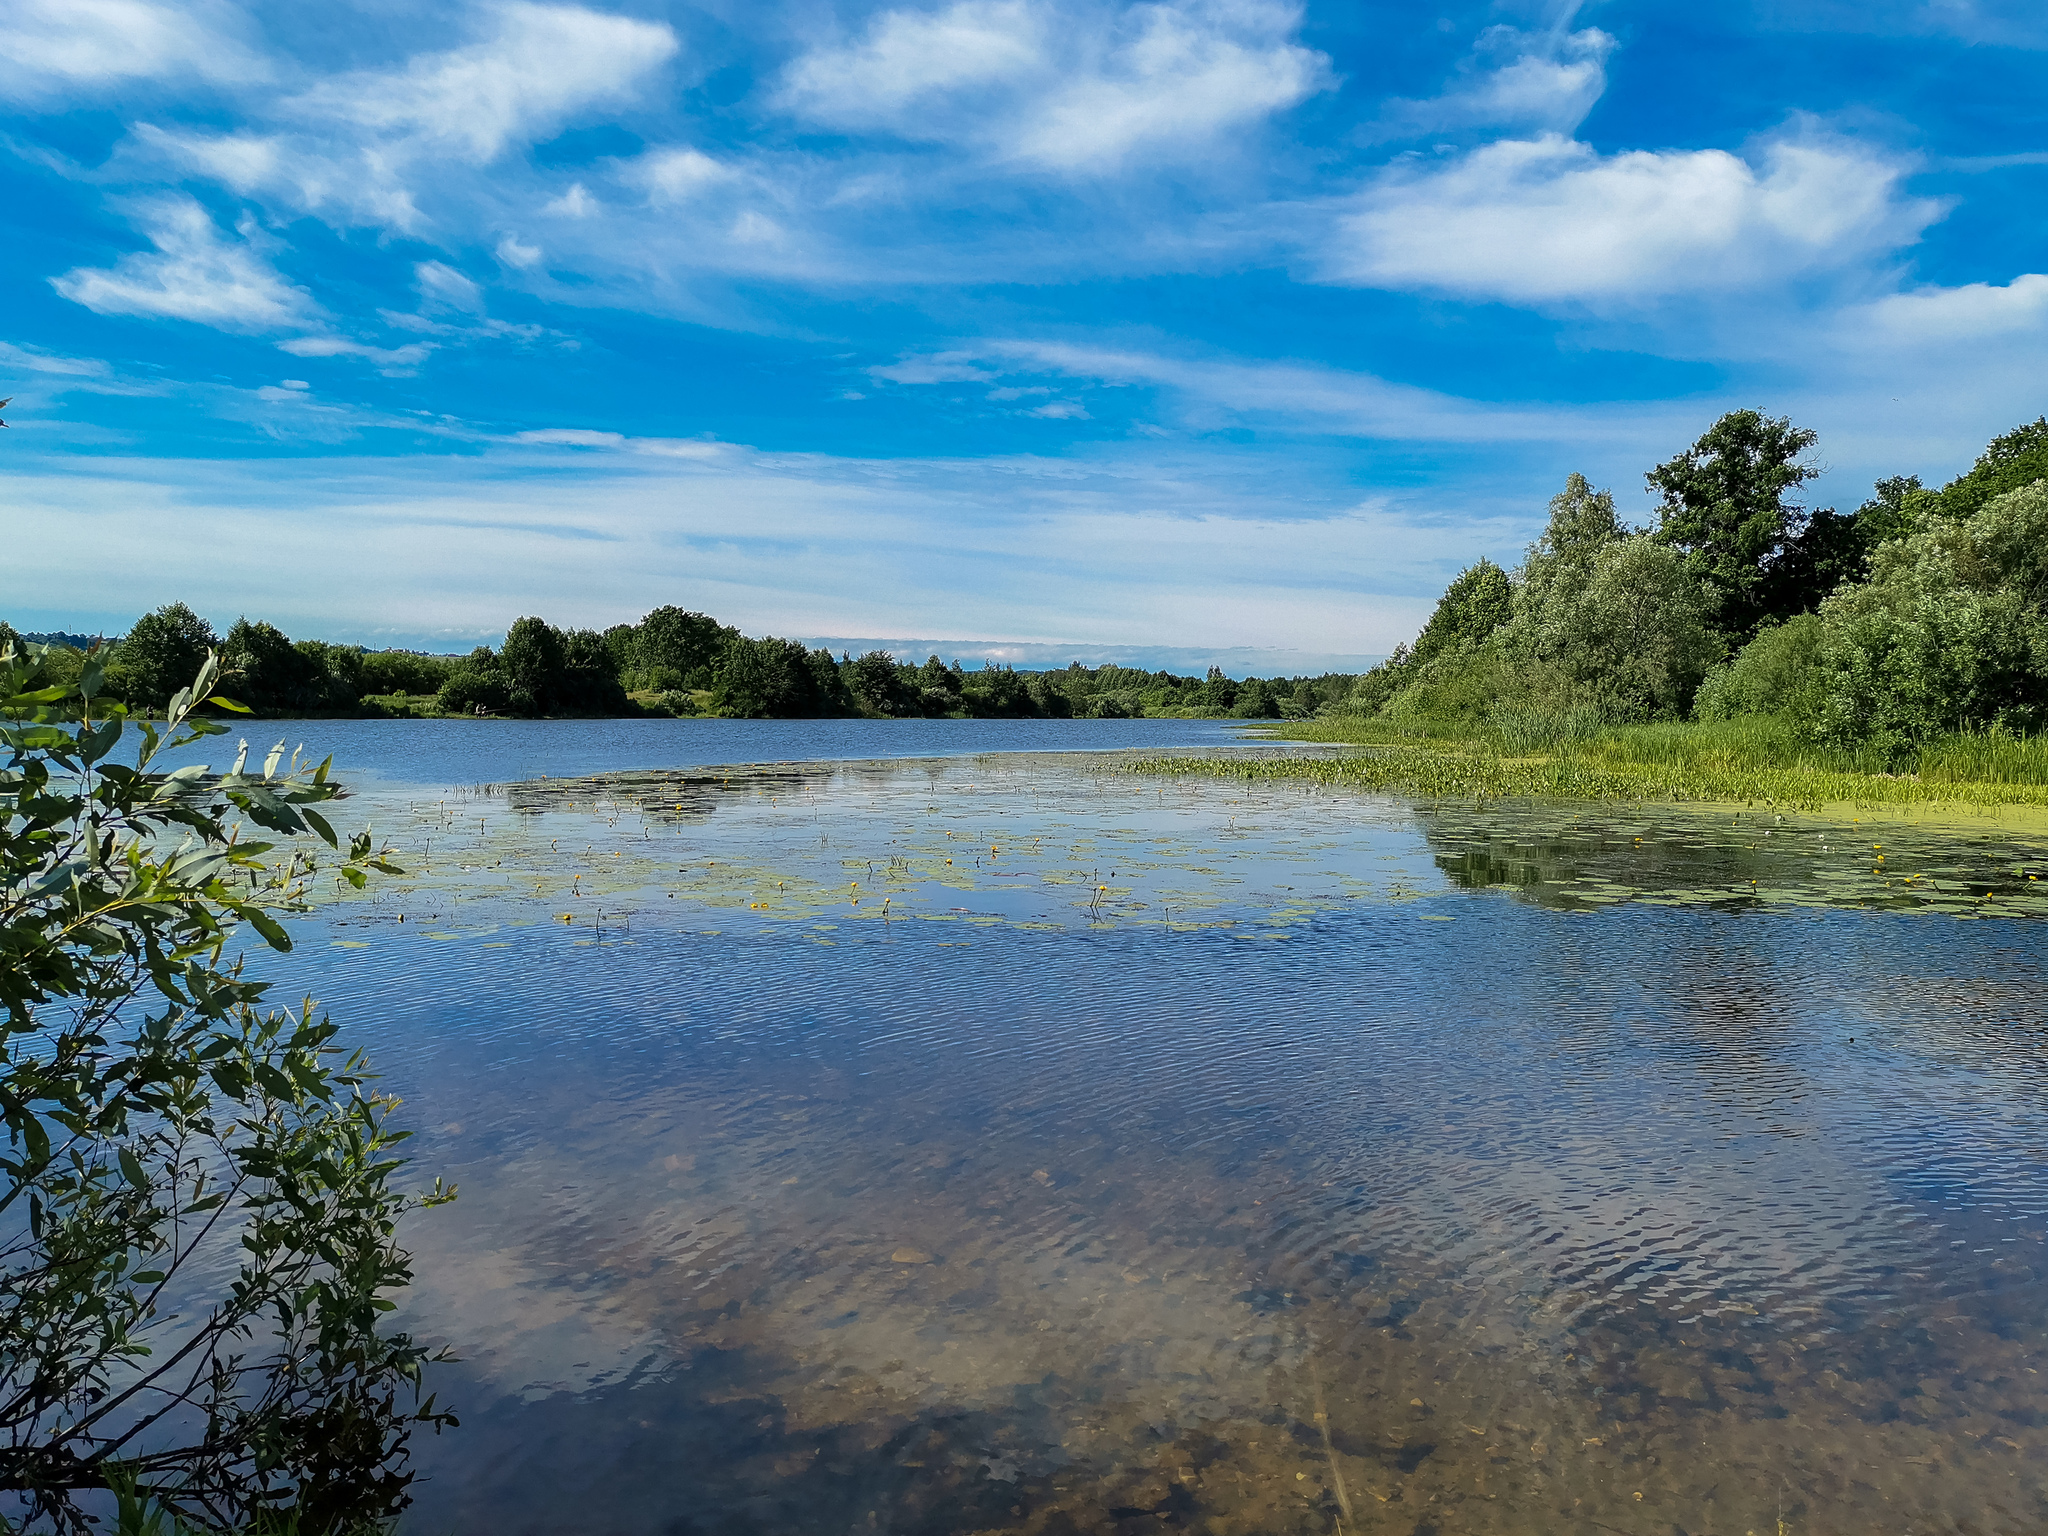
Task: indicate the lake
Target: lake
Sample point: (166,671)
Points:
(941,1129)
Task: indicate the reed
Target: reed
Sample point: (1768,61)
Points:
(1752,761)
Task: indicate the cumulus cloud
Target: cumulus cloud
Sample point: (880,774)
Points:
(1022,80)
(195,273)
(1970,312)
(1544,81)
(50,46)
(1549,219)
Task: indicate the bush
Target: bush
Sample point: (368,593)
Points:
(1949,634)
(386,672)
(1775,674)
(202,1244)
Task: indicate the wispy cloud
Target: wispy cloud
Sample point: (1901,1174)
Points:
(48,47)
(1537,81)
(194,273)
(533,65)
(1064,89)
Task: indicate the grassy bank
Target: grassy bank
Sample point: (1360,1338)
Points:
(1749,762)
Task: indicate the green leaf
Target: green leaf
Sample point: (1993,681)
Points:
(265,924)
(221,703)
(131,1170)
(319,824)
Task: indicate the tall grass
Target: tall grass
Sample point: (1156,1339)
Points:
(1751,760)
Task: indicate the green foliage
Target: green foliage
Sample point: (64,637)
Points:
(2012,461)
(996,693)
(777,679)
(1775,674)
(201,1237)
(477,686)
(273,675)
(878,685)
(686,644)
(1640,638)
(1724,507)
(385,672)
(1476,603)
(160,653)
(1950,632)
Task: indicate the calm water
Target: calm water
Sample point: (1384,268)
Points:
(1194,1155)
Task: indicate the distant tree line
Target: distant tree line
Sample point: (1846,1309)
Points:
(1921,612)
(672,662)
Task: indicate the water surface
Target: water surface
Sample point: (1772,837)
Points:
(1195,1154)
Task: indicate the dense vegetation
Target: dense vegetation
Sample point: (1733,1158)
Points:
(671,662)
(1877,633)
(199,1241)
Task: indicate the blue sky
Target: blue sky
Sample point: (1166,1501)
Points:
(1163,330)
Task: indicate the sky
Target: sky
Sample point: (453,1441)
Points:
(1045,330)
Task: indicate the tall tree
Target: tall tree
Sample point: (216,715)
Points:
(1725,508)
(162,652)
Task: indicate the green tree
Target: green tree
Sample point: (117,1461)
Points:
(878,686)
(2014,460)
(405,672)
(1724,506)
(774,679)
(1479,600)
(997,693)
(200,1241)
(162,652)
(687,644)
(1641,639)
(1950,632)
(476,686)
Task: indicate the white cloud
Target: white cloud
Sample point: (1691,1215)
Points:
(576,203)
(441,285)
(938,368)
(1205,394)
(50,46)
(1971,312)
(359,146)
(910,55)
(289,168)
(1023,80)
(539,63)
(35,360)
(405,357)
(513,254)
(656,447)
(1061,410)
(193,274)
(1546,82)
(675,174)
(1546,219)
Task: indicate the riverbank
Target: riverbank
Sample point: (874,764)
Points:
(1744,762)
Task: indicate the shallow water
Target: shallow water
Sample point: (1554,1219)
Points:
(1194,1154)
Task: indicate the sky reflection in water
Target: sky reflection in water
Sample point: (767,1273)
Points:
(1198,1155)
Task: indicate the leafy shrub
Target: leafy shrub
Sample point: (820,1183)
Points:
(201,1241)
(1950,633)
(1772,675)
